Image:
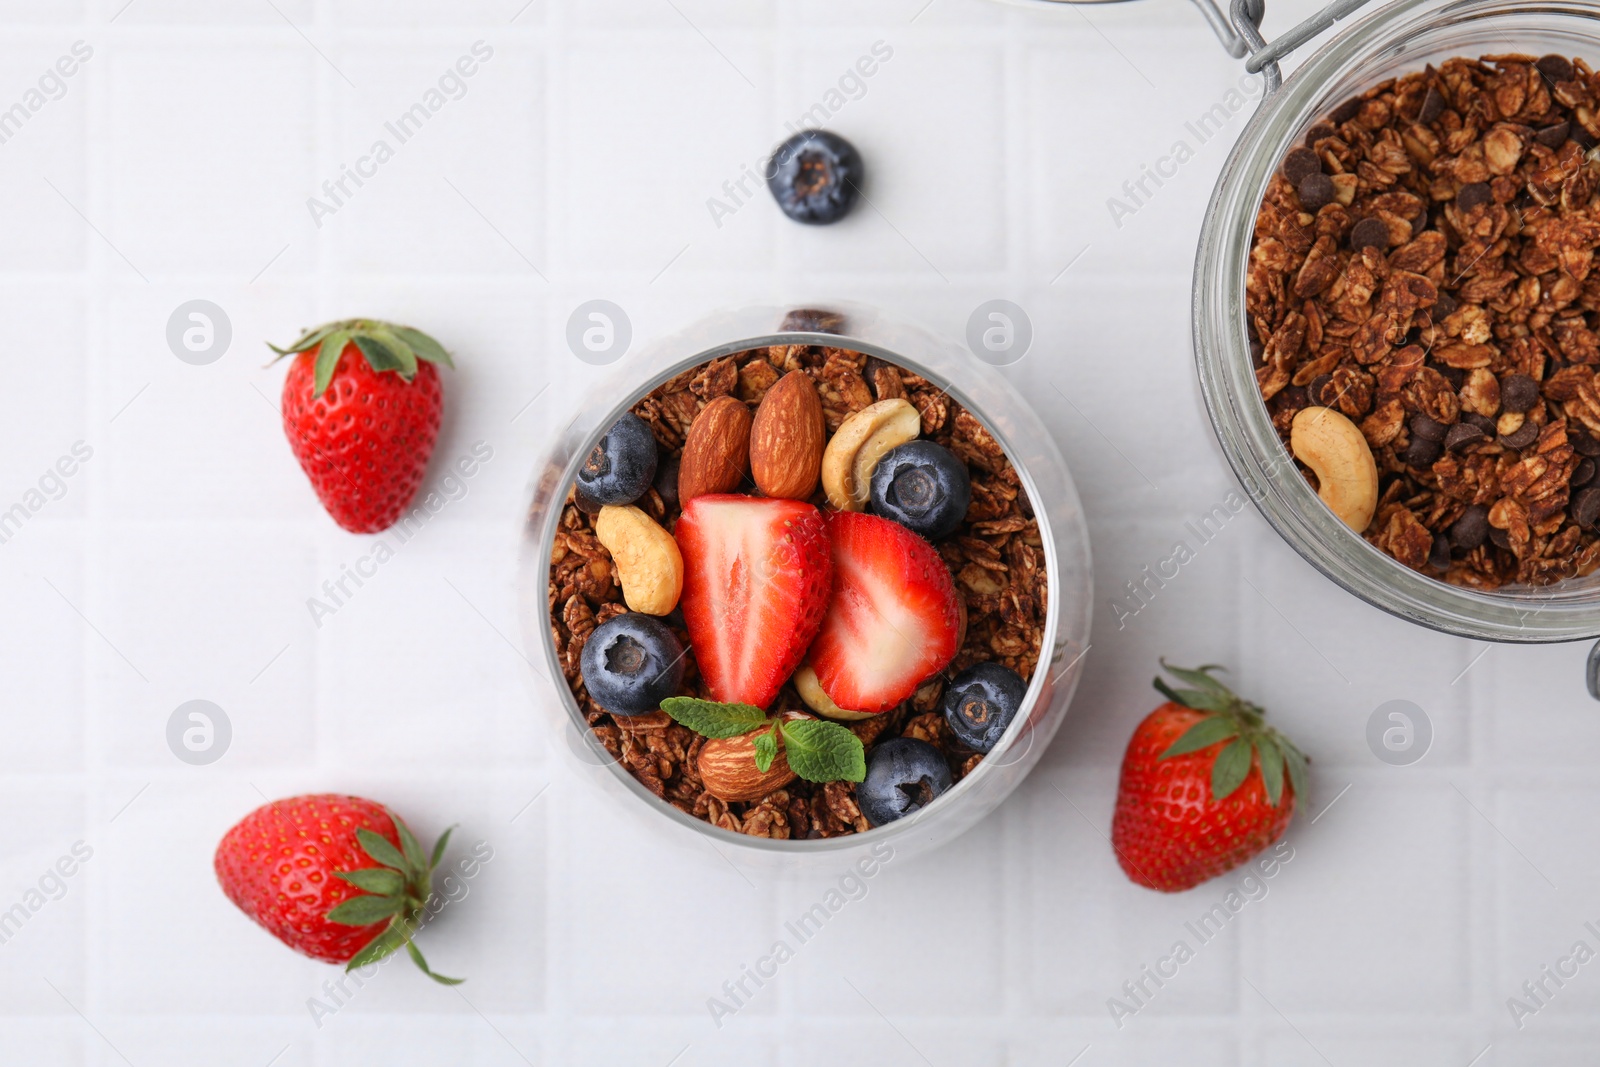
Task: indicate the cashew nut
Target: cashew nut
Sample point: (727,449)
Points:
(1337,453)
(810,690)
(648,562)
(861,441)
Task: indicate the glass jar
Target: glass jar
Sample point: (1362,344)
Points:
(1039,465)
(1399,38)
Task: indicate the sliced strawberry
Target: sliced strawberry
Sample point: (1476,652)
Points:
(756,581)
(894,618)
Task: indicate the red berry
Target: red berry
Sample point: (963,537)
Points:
(1172,828)
(894,618)
(756,581)
(365,437)
(292,862)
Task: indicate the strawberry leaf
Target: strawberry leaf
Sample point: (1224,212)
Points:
(823,751)
(709,718)
(380,880)
(766,751)
(416,859)
(424,346)
(382,357)
(1295,760)
(1231,768)
(307,339)
(1199,677)
(378,948)
(438,848)
(1200,700)
(1271,767)
(376,846)
(416,957)
(1203,734)
(365,910)
(328,352)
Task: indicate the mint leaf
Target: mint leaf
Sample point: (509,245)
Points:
(365,910)
(823,751)
(712,719)
(766,751)
(1202,734)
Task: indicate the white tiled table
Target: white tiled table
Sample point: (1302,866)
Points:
(177,563)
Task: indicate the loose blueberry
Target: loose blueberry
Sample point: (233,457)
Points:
(923,487)
(903,776)
(631,664)
(621,466)
(815,176)
(981,703)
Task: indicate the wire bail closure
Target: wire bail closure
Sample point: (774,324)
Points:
(1246,17)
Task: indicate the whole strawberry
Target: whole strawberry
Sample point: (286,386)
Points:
(361,408)
(1203,786)
(338,878)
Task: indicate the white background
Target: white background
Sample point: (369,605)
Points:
(578,165)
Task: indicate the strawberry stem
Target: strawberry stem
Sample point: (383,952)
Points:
(400,889)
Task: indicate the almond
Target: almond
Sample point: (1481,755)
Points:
(727,766)
(716,457)
(786,438)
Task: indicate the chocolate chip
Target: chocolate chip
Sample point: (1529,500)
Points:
(1445,306)
(1500,537)
(1582,442)
(1471,528)
(1369,233)
(1586,507)
(1554,136)
(1463,434)
(1556,68)
(1585,140)
(1300,164)
(1473,195)
(1482,422)
(1454,375)
(1426,428)
(1432,106)
(1526,435)
(1316,192)
(1439,558)
(1518,393)
(1347,110)
(1421,452)
(1319,131)
(1583,473)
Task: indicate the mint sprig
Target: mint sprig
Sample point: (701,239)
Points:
(398,890)
(816,751)
(1239,722)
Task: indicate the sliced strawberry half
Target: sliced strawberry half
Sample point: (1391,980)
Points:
(894,617)
(756,581)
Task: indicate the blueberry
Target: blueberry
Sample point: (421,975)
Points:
(621,466)
(981,703)
(923,487)
(631,664)
(815,176)
(904,776)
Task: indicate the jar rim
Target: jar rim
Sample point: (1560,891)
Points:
(1398,37)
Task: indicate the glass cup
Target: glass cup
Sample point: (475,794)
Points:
(1039,465)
